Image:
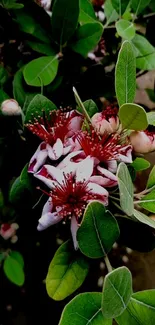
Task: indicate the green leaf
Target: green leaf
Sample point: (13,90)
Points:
(139,5)
(8,4)
(28,24)
(87,13)
(3,96)
(66,273)
(151,94)
(144,219)
(3,76)
(84,309)
(117,290)
(120,5)
(16,191)
(148,202)
(125,74)
(87,37)
(125,29)
(14,271)
(151,118)
(110,12)
(18,87)
(126,189)
(39,104)
(41,71)
(25,178)
(144,52)
(140,164)
(133,117)
(18,257)
(151,179)
(98,231)
(90,107)
(64,20)
(45,49)
(141,309)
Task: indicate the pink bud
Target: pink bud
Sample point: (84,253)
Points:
(106,121)
(10,107)
(142,141)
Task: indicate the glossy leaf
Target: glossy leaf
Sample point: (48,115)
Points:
(120,5)
(141,309)
(125,188)
(133,117)
(41,71)
(110,12)
(139,5)
(87,13)
(90,107)
(140,164)
(125,29)
(84,309)
(66,272)
(144,219)
(64,20)
(151,179)
(14,271)
(98,231)
(125,74)
(42,48)
(36,107)
(117,290)
(87,37)
(18,257)
(148,202)
(145,53)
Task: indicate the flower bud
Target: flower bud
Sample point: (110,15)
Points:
(106,121)
(10,107)
(8,230)
(142,141)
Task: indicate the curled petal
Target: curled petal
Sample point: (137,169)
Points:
(125,154)
(74,229)
(50,172)
(112,165)
(84,169)
(109,178)
(100,192)
(48,220)
(56,151)
(39,158)
(73,155)
(74,125)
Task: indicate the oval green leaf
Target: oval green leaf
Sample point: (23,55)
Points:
(110,12)
(151,116)
(87,13)
(41,71)
(37,106)
(18,257)
(125,188)
(87,37)
(140,164)
(133,117)
(125,74)
(151,179)
(66,272)
(148,202)
(64,20)
(125,29)
(117,290)
(144,219)
(145,53)
(98,231)
(141,309)
(14,271)
(139,5)
(84,309)
(120,6)
(90,107)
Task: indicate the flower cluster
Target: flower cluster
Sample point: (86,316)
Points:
(8,231)
(77,166)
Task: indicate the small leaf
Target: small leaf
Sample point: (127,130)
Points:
(117,290)
(140,164)
(98,231)
(144,219)
(141,309)
(64,20)
(133,117)
(45,49)
(126,189)
(41,71)
(125,29)
(148,202)
(151,179)
(87,13)
(87,38)
(19,92)
(139,5)
(39,104)
(3,96)
(3,75)
(90,107)
(84,309)
(66,273)
(14,271)
(145,53)
(120,5)
(125,75)
(18,257)
(151,94)
(110,12)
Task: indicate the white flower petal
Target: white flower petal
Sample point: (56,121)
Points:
(58,149)
(84,169)
(47,220)
(38,159)
(74,229)
(99,190)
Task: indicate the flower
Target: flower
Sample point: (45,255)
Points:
(70,193)
(10,107)
(46,4)
(106,121)
(57,135)
(9,231)
(142,141)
